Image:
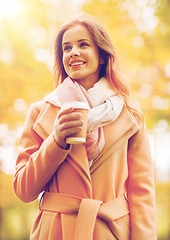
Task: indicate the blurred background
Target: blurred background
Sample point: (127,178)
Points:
(140,30)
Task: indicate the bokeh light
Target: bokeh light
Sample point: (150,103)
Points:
(9,8)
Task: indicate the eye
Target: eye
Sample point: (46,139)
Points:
(84,44)
(67,48)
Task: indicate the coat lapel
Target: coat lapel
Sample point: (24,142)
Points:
(78,156)
(45,121)
(116,134)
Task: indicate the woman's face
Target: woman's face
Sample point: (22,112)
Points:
(81,57)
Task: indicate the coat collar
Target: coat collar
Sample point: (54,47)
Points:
(116,133)
(44,123)
(123,128)
(125,123)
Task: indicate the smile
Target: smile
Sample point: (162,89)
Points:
(76,64)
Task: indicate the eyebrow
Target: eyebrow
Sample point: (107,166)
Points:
(80,40)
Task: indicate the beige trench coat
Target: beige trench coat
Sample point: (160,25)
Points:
(113,199)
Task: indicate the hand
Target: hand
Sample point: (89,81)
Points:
(66,124)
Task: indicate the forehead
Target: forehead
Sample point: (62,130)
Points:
(75,33)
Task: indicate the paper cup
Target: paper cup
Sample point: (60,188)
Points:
(82,107)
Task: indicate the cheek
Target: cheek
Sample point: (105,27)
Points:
(96,61)
(64,61)
(96,56)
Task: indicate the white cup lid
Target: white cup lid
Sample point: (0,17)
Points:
(76,104)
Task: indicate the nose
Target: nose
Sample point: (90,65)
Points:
(74,52)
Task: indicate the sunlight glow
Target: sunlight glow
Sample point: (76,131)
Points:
(160,103)
(167,70)
(145,91)
(9,8)
(20,105)
(138,41)
(6,55)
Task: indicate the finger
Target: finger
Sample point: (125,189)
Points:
(65,111)
(71,131)
(73,116)
(71,124)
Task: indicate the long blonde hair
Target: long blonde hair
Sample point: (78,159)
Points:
(109,69)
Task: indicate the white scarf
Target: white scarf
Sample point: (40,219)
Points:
(105,107)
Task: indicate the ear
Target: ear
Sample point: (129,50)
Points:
(101,60)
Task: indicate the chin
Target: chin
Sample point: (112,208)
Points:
(76,78)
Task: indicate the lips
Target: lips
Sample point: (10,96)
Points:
(76,63)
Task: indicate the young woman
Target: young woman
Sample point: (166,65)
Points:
(102,189)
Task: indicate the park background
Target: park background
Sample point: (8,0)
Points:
(140,30)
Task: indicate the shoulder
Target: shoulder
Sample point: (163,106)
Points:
(34,111)
(37,106)
(134,108)
(141,135)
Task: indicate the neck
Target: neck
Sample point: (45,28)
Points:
(88,83)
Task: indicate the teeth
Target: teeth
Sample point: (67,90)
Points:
(76,63)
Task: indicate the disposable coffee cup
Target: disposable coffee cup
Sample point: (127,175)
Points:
(82,107)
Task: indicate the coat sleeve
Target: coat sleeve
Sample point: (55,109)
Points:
(37,160)
(141,188)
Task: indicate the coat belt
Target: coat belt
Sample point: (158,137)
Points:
(88,210)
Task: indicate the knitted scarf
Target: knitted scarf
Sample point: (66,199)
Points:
(105,107)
